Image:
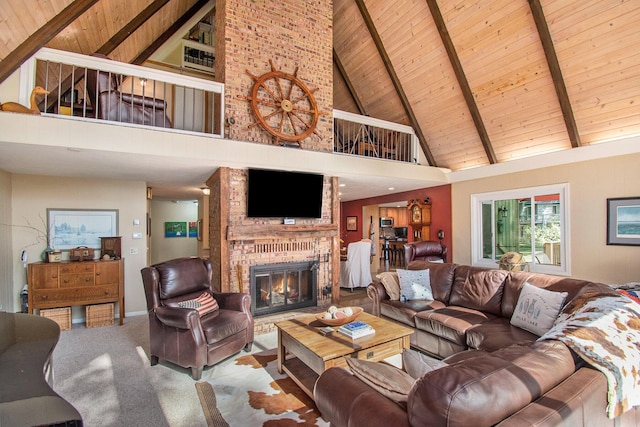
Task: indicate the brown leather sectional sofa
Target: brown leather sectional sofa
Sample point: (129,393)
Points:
(497,374)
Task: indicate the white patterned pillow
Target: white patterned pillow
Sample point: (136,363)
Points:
(415,284)
(537,309)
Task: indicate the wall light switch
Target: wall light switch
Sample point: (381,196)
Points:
(136,222)
(133,251)
(137,235)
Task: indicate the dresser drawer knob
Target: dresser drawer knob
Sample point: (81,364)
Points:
(45,296)
(106,292)
(87,279)
(65,281)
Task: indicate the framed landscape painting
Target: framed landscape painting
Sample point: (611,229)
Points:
(71,228)
(623,221)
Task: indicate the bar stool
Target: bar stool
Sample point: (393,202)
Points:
(385,252)
(398,255)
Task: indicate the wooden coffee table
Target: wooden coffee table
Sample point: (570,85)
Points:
(303,353)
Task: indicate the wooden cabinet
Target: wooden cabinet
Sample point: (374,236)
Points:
(401,218)
(64,284)
(399,215)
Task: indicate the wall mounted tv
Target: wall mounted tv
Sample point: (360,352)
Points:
(283,194)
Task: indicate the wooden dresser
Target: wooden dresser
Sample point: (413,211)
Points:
(64,284)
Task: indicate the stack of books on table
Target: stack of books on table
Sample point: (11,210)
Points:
(356,329)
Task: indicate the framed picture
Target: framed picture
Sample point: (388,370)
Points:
(71,228)
(175,229)
(352,223)
(623,221)
(193,229)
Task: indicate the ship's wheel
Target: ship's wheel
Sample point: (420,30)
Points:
(284,105)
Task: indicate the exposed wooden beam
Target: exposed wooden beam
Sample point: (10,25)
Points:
(42,36)
(556,72)
(395,80)
(133,25)
(462,80)
(350,87)
(145,54)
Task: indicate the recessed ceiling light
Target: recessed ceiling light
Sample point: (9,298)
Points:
(391,188)
(343,185)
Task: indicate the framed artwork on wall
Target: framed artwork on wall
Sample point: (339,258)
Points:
(175,229)
(71,228)
(352,223)
(623,221)
(193,229)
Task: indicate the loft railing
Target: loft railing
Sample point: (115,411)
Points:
(365,136)
(86,87)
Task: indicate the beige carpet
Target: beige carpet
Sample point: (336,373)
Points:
(105,374)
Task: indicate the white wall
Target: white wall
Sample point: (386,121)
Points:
(6,270)
(164,248)
(590,184)
(32,195)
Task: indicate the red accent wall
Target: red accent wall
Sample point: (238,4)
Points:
(440,213)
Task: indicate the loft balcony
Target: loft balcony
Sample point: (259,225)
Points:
(358,135)
(96,89)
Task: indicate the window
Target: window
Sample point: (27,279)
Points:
(529,225)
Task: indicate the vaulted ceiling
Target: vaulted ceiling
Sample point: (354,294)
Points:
(480,81)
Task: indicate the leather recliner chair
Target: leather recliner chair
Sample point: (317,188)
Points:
(179,334)
(427,250)
(111,104)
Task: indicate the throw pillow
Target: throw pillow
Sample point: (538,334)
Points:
(387,380)
(389,280)
(537,309)
(204,304)
(415,284)
(417,364)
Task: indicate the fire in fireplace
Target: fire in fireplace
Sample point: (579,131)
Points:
(282,287)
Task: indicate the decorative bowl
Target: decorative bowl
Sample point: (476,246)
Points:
(338,322)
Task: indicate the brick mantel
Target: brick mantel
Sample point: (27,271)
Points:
(280,231)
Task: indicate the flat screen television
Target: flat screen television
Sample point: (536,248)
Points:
(283,194)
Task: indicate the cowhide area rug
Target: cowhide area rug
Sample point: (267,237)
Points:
(249,391)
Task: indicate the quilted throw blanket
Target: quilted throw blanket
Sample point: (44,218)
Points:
(604,330)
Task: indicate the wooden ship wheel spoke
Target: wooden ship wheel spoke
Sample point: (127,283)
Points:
(283,105)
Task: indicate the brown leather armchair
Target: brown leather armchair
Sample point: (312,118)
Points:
(179,334)
(111,104)
(427,250)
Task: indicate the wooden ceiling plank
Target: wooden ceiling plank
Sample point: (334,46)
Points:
(128,29)
(145,54)
(462,80)
(396,81)
(42,36)
(556,72)
(345,77)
